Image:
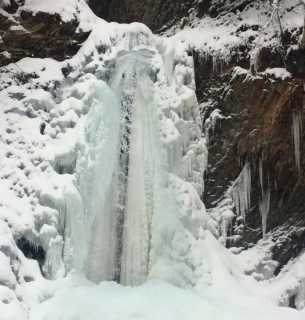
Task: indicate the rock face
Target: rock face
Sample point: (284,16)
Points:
(161,15)
(157,15)
(257,128)
(40,36)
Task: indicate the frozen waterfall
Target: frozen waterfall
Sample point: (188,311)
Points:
(140,161)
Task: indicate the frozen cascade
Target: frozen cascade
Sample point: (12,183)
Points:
(240,191)
(97,181)
(140,164)
(296,133)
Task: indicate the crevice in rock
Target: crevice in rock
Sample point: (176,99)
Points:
(32,251)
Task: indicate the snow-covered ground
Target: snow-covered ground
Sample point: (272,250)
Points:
(259,25)
(119,137)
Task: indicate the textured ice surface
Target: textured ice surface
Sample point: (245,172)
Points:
(121,161)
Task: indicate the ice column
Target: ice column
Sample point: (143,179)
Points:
(136,232)
(132,85)
(140,166)
(263,206)
(97,181)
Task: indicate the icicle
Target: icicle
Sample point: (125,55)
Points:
(241,190)
(263,206)
(296,133)
(260,169)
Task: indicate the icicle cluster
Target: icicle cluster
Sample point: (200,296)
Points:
(240,191)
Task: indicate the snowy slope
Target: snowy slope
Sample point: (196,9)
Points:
(232,31)
(101,177)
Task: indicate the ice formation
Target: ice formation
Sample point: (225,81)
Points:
(264,203)
(240,191)
(297,133)
(260,171)
(101,176)
(125,140)
(263,206)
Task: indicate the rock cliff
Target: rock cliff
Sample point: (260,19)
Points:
(39,35)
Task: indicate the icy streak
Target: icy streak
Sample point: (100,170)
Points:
(137,222)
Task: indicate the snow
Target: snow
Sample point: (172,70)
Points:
(103,171)
(67,9)
(111,301)
(256,27)
(210,122)
(278,73)
(6,54)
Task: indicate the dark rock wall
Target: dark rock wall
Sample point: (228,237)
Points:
(158,15)
(45,36)
(257,124)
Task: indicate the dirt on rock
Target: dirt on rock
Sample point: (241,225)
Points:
(41,35)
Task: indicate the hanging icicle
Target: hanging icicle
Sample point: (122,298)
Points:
(241,189)
(296,133)
(260,169)
(264,206)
